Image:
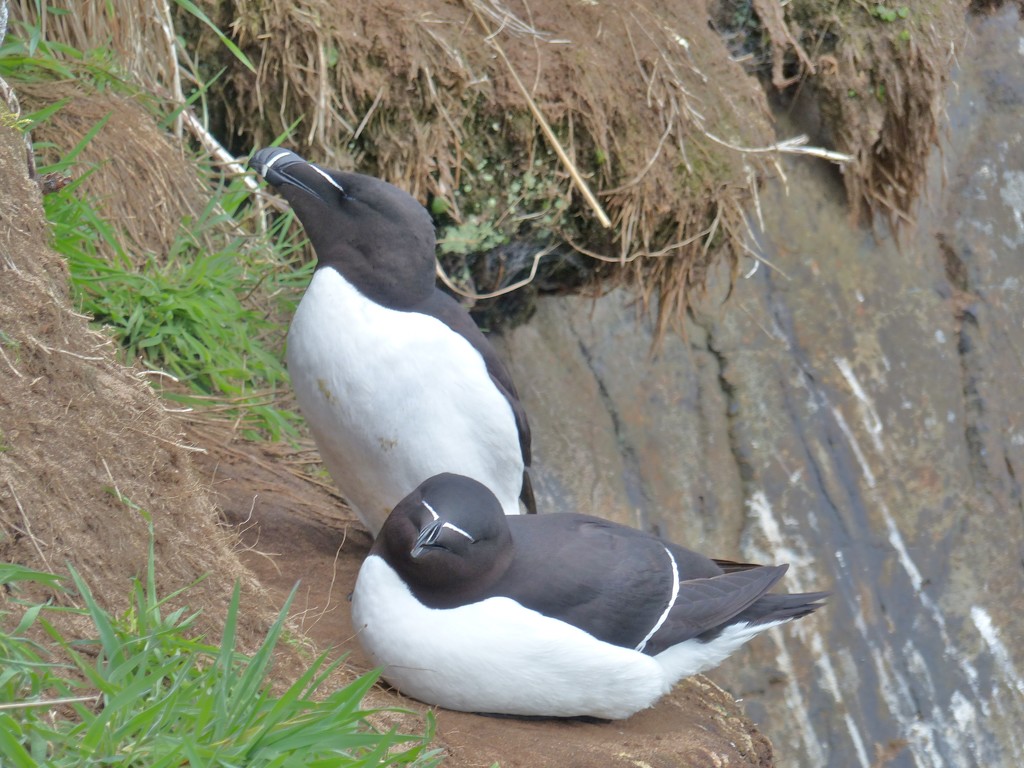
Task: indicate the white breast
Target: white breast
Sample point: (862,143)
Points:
(393,398)
(496,656)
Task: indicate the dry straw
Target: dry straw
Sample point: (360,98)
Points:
(638,107)
(612,104)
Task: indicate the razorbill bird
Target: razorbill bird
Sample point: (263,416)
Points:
(557,615)
(394,378)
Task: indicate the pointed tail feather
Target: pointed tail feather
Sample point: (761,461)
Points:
(772,609)
(731,566)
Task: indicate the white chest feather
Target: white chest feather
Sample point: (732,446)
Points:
(496,656)
(393,398)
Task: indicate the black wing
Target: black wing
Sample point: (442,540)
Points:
(611,581)
(706,606)
(617,582)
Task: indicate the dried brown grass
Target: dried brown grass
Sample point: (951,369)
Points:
(881,86)
(646,108)
(412,93)
(141,181)
(139,33)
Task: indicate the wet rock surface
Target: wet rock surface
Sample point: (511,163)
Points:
(856,410)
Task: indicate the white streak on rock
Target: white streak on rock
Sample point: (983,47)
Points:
(797,702)
(869,415)
(869,476)
(983,621)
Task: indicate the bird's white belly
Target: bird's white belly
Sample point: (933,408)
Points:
(393,398)
(496,656)
(692,656)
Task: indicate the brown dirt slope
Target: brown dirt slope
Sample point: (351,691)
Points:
(77,429)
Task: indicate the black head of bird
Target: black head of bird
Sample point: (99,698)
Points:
(451,533)
(354,221)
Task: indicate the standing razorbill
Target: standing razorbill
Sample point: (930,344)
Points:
(556,615)
(394,378)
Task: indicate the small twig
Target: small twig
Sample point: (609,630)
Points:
(51,350)
(265,198)
(214,147)
(753,318)
(113,482)
(794,146)
(245,526)
(642,254)
(87,358)
(9,363)
(155,372)
(182,446)
(330,587)
(47,702)
(507,19)
(167,26)
(501,292)
(752,186)
(650,163)
(228,405)
(28,528)
(252,511)
(758,257)
(549,134)
(369,113)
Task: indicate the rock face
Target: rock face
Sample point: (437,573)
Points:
(856,410)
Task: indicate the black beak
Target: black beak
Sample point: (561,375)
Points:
(278,166)
(427,537)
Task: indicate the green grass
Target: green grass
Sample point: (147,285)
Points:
(140,690)
(193,312)
(190,312)
(209,310)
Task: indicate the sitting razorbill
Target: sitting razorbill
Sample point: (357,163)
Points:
(554,615)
